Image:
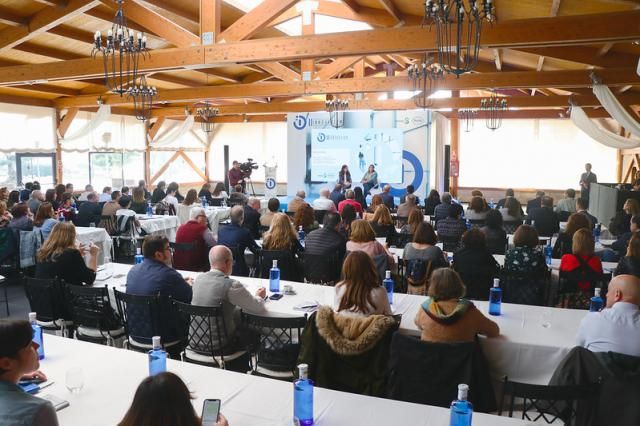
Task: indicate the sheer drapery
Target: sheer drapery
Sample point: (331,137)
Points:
(615,109)
(174,134)
(605,137)
(103,114)
(105,134)
(27,129)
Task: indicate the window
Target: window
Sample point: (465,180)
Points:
(40,167)
(179,170)
(115,169)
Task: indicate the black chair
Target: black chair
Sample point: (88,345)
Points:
(449,243)
(207,341)
(478,223)
(510,227)
(400,221)
(563,216)
(264,229)
(3,284)
(290,214)
(402,239)
(110,224)
(525,288)
(93,317)
(46,299)
(570,295)
(319,215)
(290,269)
(549,403)
(278,349)
(322,269)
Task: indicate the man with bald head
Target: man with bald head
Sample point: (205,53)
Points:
(324,202)
(615,328)
(238,239)
(215,287)
(297,201)
(387,198)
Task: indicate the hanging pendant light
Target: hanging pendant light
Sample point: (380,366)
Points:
(336,108)
(424,77)
(207,113)
(142,95)
(493,109)
(468,117)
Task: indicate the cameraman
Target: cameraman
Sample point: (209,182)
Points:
(236,176)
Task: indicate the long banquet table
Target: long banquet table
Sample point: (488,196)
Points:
(112,375)
(97,236)
(533,340)
(166,225)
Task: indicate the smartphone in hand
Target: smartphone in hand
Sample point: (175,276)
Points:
(210,412)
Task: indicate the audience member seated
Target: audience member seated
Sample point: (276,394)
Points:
(512,210)
(360,198)
(215,287)
(410,190)
(237,197)
(376,201)
(105,195)
(237,239)
(441,211)
(526,258)
(252,217)
(324,202)
(387,198)
(415,218)
(88,189)
(273,206)
(305,218)
(125,212)
(350,200)
(19,361)
(5,216)
(615,328)
(364,239)
(445,316)
(26,192)
(67,207)
(297,201)
(174,186)
(582,257)
(475,264)
(383,225)
(495,235)
(219,193)
(170,199)
(536,203)
(125,191)
(163,399)
(61,257)
(35,199)
(630,263)
(50,197)
(59,191)
(184,208)
(409,204)
(195,231)
(205,192)
(155,276)
(432,201)
(581,208)
(544,219)
(21,218)
(564,242)
(139,203)
(621,243)
(326,241)
(89,211)
(508,193)
(620,223)
(360,292)
(281,236)
(45,219)
(336,195)
(452,227)
(423,247)
(477,209)
(159,193)
(568,203)
(110,207)
(348,215)
(14,198)
(143,186)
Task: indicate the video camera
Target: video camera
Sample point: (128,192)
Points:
(248,166)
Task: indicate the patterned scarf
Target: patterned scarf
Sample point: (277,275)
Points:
(435,312)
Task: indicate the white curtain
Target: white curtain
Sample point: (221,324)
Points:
(103,114)
(605,137)
(175,133)
(615,108)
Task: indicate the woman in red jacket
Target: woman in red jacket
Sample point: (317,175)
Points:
(582,261)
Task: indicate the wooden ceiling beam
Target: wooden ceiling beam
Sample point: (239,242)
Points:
(48,88)
(176,7)
(210,14)
(174,79)
(497,59)
(392,10)
(50,52)
(255,20)
(555,7)
(280,71)
(73,33)
(352,5)
(337,66)
(373,17)
(23,100)
(42,21)
(106,14)
(256,77)
(288,15)
(544,114)
(7,17)
(156,23)
(584,55)
(66,121)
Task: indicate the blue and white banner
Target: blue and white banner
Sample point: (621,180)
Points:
(270,182)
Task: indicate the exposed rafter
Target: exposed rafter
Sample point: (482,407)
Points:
(255,20)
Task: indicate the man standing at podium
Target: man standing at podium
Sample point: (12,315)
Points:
(586,179)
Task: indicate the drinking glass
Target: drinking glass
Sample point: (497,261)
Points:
(92,225)
(545,319)
(74,379)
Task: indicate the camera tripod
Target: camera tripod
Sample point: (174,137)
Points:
(250,181)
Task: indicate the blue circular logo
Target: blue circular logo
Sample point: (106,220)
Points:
(270,183)
(418,173)
(300,122)
(322,137)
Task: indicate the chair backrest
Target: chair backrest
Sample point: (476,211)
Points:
(46,298)
(91,307)
(279,340)
(8,244)
(183,246)
(321,269)
(319,215)
(477,222)
(139,314)
(548,403)
(511,226)
(126,225)
(290,214)
(402,239)
(109,223)
(449,243)
(382,265)
(524,288)
(287,263)
(400,221)
(207,329)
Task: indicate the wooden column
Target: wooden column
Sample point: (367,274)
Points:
(454,145)
(210,12)
(619,161)
(58,171)
(147,153)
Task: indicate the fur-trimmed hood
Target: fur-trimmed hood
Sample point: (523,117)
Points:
(352,335)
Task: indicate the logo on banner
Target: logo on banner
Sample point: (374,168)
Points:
(418,173)
(417,120)
(270,183)
(300,122)
(322,137)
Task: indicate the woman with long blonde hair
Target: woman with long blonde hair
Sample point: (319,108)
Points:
(45,219)
(383,225)
(61,257)
(376,200)
(363,238)
(360,291)
(281,235)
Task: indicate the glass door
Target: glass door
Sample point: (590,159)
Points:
(40,167)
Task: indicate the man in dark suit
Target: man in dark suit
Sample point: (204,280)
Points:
(89,211)
(508,193)
(536,203)
(586,179)
(237,239)
(544,219)
(581,208)
(337,195)
(387,198)
(326,240)
(252,218)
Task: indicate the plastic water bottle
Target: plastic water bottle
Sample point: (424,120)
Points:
(461,409)
(492,204)
(149,209)
(61,217)
(224,202)
(204,202)
(37,334)
(138,258)
(157,357)
(388,285)
(468,223)
(548,253)
(597,302)
(596,232)
(303,398)
(301,235)
(274,278)
(495,298)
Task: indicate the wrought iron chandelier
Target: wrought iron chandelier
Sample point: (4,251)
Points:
(336,109)
(207,113)
(494,108)
(468,117)
(458,31)
(424,77)
(121,52)
(142,94)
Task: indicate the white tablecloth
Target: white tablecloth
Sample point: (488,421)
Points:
(215,215)
(525,351)
(112,375)
(160,225)
(97,236)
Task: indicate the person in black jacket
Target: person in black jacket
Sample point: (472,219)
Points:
(630,264)
(337,195)
(252,217)
(59,257)
(431,202)
(327,240)
(495,235)
(89,212)
(508,193)
(544,219)
(621,243)
(237,239)
(159,193)
(536,203)
(475,264)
